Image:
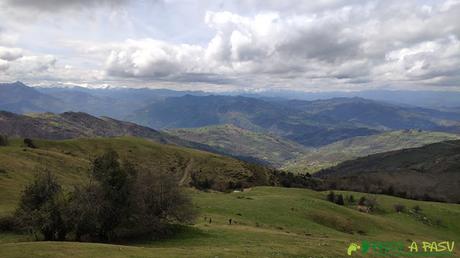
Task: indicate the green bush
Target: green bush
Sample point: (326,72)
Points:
(331,196)
(339,200)
(29,143)
(41,208)
(3,140)
(8,223)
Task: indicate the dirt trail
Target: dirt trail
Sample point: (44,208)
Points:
(186,174)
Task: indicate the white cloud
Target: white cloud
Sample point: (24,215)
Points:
(10,54)
(292,44)
(152,58)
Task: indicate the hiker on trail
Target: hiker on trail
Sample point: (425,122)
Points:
(230,221)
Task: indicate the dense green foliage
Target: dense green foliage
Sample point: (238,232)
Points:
(118,201)
(42,206)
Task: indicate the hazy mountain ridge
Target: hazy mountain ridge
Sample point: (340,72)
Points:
(352,148)
(379,115)
(113,102)
(418,98)
(19,98)
(299,120)
(248,113)
(427,172)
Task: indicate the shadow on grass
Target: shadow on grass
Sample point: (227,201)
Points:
(176,234)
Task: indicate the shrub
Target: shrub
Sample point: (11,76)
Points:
(201,183)
(399,207)
(351,199)
(157,202)
(390,190)
(122,201)
(29,143)
(3,140)
(417,209)
(82,212)
(41,207)
(331,196)
(370,202)
(339,200)
(8,223)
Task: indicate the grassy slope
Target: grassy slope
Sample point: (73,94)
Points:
(240,142)
(70,160)
(352,148)
(273,222)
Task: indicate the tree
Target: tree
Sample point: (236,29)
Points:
(120,201)
(82,212)
(159,201)
(390,190)
(29,143)
(113,186)
(331,196)
(41,207)
(351,199)
(3,140)
(339,200)
(370,202)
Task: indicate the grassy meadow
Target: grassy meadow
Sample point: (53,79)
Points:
(267,222)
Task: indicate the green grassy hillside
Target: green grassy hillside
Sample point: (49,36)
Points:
(270,222)
(430,172)
(241,142)
(70,160)
(361,146)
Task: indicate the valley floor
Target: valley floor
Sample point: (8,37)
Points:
(269,222)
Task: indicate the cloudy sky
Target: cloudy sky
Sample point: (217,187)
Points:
(224,45)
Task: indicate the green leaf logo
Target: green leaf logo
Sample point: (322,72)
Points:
(352,248)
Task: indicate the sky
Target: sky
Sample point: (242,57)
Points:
(212,45)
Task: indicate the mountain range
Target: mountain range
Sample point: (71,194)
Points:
(294,135)
(311,123)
